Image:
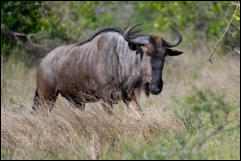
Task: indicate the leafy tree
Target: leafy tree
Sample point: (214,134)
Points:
(20,21)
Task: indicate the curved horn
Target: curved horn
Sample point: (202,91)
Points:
(142,40)
(175,42)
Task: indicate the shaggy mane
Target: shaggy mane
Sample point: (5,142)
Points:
(101,31)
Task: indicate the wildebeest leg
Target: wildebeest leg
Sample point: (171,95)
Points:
(44,100)
(79,105)
(135,107)
(107,106)
(36,101)
(131,102)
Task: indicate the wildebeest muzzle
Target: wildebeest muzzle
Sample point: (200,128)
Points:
(155,87)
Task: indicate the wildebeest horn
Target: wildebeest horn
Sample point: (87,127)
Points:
(142,40)
(175,42)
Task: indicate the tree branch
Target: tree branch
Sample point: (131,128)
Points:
(238,51)
(218,42)
(15,35)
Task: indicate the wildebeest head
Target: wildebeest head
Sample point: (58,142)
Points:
(152,50)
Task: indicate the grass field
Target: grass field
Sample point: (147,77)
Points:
(197,116)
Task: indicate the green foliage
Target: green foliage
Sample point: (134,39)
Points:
(203,109)
(160,148)
(22,16)
(76,21)
(82,18)
(197,21)
(201,18)
(20,19)
(178,146)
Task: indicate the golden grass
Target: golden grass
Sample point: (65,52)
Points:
(66,126)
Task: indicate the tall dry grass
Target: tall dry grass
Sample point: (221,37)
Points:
(67,133)
(67,130)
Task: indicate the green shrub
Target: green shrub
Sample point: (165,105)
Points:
(21,21)
(203,109)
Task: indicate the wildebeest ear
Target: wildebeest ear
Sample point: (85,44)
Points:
(172,52)
(132,46)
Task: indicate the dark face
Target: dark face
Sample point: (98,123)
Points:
(154,54)
(156,83)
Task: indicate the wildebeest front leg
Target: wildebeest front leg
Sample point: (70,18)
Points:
(74,102)
(135,107)
(79,105)
(131,102)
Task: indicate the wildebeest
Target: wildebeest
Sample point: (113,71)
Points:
(110,66)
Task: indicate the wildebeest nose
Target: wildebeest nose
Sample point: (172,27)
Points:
(160,85)
(156,87)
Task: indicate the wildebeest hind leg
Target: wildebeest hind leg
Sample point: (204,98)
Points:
(43,100)
(36,101)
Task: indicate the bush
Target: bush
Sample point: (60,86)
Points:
(204,109)
(22,22)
